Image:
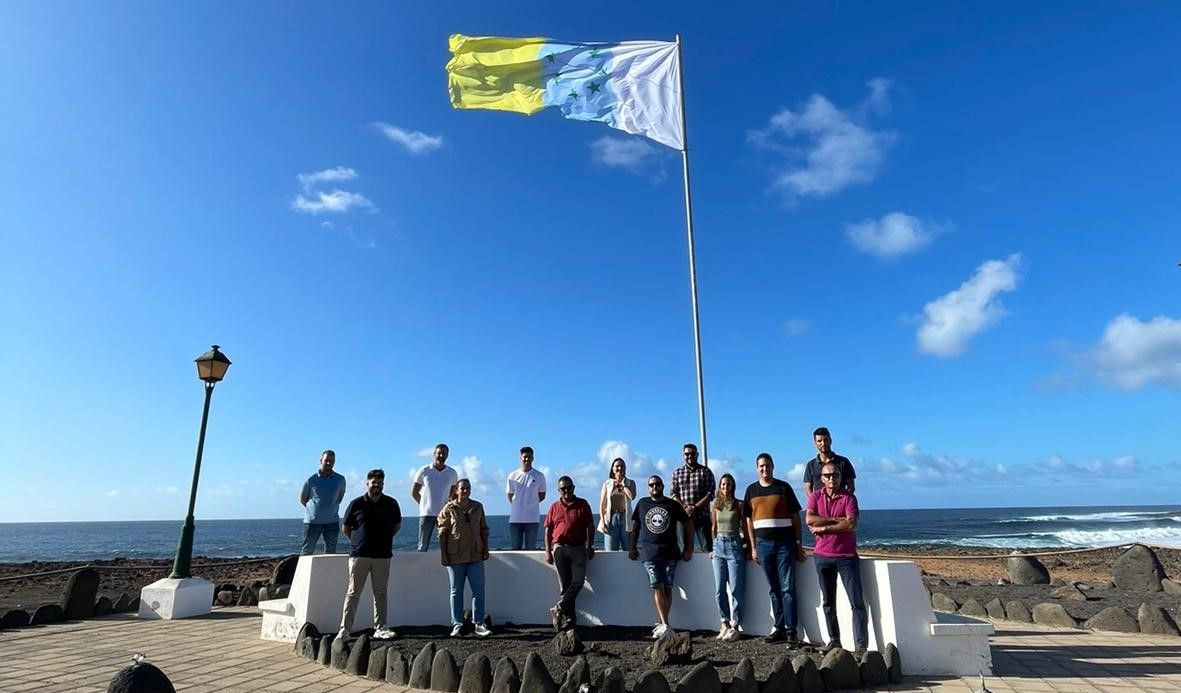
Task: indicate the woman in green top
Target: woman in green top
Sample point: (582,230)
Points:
(729,557)
(463,548)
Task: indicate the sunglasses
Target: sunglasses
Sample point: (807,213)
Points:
(654,483)
(831,475)
(565,488)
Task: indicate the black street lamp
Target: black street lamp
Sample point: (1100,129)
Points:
(211,368)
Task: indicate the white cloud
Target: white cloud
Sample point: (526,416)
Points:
(113,492)
(1132,353)
(428,453)
(951,320)
(328,175)
(796,327)
(797,472)
(630,153)
(166,489)
(1120,466)
(484,484)
(728,464)
(894,235)
(839,149)
(920,467)
(414,141)
(335,201)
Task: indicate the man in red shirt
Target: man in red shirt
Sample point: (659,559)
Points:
(569,544)
(832,516)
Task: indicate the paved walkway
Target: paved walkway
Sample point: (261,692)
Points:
(222,652)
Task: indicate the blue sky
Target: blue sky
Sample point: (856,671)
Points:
(949,233)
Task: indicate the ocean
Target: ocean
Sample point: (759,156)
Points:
(981,528)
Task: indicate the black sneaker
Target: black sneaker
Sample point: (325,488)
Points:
(832,645)
(793,641)
(776,635)
(859,654)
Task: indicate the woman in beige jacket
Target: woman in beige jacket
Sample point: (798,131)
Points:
(463,548)
(615,507)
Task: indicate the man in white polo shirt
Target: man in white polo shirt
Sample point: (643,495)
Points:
(525,489)
(437,479)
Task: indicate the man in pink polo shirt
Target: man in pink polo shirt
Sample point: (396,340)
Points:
(832,518)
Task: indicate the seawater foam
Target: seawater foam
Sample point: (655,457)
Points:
(1160,536)
(1124,516)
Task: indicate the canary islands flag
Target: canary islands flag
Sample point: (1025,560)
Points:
(634,86)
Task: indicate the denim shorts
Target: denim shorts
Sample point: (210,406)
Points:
(661,573)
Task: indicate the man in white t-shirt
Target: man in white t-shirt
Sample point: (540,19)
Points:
(525,489)
(438,480)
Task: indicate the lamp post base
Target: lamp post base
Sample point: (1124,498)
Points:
(176,598)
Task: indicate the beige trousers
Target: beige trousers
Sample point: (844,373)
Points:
(378,570)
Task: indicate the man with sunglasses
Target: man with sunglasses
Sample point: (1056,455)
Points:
(694,487)
(654,541)
(822,439)
(832,518)
(569,544)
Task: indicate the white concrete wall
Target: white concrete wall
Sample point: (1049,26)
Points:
(521,587)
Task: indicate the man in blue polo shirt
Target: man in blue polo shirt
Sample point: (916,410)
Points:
(321,497)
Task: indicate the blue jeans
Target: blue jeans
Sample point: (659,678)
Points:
(616,538)
(474,574)
(704,531)
(778,558)
(729,568)
(426,527)
(523,535)
(312,531)
(849,568)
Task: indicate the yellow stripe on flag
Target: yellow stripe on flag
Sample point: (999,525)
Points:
(502,74)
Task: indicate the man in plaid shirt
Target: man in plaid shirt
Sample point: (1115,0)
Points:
(693,487)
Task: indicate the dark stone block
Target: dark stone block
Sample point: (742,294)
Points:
(972,607)
(1016,610)
(942,602)
(444,672)
(651,682)
(1138,569)
(376,669)
(397,667)
(576,676)
(782,678)
(309,648)
(77,600)
(567,643)
(807,675)
(477,674)
(505,678)
(225,598)
(744,680)
(278,591)
(284,571)
(893,663)
(1027,570)
(339,653)
(995,609)
(358,662)
(535,678)
(1156,620)
(1113,618)
(324,653)
(140,677)
(122,603)
(1048,614)
(103,606)
(1069,591)
(873,670)
(15,618)
(671,649)
(133,605)
(47,613)
(307,630)
(247,597)
(839,670)
(609,680)
(420,669)
(702,678)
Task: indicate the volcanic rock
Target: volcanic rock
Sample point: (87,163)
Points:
(1027,570)
(1138,569)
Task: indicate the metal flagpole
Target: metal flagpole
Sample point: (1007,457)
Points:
(692,259)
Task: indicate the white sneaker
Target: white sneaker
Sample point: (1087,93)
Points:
(732,635)
(723,632)
(342,634)
(455,630)
(482,630)
(660,631)
(384,633)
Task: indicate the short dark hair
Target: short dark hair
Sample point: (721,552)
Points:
(691,446)
(328,452)
(766,456)
(526,449)
(822,431)
(375,474)
(565,478)
(444,446)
